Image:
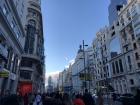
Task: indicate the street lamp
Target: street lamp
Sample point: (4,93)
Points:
(83,45)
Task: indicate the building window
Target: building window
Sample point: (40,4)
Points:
(32,23)
(126,48)
(26,63)
(13,23)
(136,56)
(135,45)
(18,34)
(113,67)
(133,37)
(25,75)
(117,66)
(121,66)
(138,65)
(131,81)
(113,33)
(10,55)
(14,64)
(122,21)
(5,10)
(129,59)
(29,45)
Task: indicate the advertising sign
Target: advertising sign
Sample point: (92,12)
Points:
(4,73)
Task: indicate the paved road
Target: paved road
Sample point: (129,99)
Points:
(110,102)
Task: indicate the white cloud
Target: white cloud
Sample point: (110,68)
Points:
(66,58)
(54,76)
(70,62)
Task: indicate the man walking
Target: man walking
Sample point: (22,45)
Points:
(87,98)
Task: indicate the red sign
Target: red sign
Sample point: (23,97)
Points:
(25,88)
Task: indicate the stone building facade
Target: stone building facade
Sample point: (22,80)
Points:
(120,57)
(32,63)
(12,39)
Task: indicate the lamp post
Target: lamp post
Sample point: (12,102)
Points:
(84,63)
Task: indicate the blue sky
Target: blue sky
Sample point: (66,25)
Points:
(66,24)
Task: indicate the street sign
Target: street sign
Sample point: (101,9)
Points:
(4,74)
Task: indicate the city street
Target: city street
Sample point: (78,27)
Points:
(69,52)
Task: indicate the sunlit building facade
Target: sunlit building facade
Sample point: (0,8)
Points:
(12,39)
(120,52)
(32,63)
(113,8)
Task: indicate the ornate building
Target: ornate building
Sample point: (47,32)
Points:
(12,38)
(32,63)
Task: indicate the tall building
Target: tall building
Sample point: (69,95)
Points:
(32,63)
(113,8)
(12,38)
(116,51)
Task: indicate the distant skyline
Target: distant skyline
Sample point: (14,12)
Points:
(66,24)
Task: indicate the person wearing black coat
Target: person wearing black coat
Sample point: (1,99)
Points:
(87,98)
(137,98)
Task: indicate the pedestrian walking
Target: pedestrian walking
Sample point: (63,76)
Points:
(25,99)
(67,100)
(137,97)
(88,99)
(100,100)
(10,100)
(38,100)
(20,99)
(31,98)
(78,100)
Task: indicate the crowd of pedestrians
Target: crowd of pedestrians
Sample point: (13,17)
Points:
(56,98)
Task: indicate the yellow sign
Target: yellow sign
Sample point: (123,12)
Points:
(87,76)
(4,74)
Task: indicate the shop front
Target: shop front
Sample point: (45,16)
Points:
(25,88)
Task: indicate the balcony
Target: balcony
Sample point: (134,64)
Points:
(32,56)
(3,51)
(27,68)
(25,76)
(35,5)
